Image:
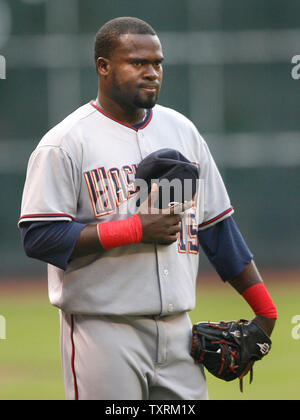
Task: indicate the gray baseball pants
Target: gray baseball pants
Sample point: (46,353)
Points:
(129,358)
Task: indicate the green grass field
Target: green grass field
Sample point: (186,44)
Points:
(30,361)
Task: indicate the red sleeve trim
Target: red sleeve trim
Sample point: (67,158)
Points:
(147,121)
(34,216)
(76,396)
(216,218)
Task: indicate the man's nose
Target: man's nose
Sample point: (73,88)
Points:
(151,73)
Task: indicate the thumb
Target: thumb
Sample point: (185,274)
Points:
(147,205)
(153,196)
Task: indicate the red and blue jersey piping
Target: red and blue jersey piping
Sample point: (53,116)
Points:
(147,121)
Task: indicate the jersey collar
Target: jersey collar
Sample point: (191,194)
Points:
(135,127)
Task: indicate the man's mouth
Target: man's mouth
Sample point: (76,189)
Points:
(150,88)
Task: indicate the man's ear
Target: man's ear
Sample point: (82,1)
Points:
(103,66)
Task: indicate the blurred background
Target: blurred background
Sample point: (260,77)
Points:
(227,67)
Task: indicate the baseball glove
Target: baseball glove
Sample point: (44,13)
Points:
(228,350)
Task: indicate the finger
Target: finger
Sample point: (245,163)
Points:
(174,229)
(169,240)
(145,207)
(176,219)
(188,205)
(173,238)
(175,207)
(180,208)
(154,192)
(172,219)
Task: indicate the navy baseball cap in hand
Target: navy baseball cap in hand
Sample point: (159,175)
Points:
(177,176)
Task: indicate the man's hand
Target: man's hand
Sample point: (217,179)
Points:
(160,225)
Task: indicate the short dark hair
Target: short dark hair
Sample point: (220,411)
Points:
(107,36)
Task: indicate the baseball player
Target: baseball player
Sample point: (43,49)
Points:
(124,278)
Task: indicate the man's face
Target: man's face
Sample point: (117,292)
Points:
(136,71)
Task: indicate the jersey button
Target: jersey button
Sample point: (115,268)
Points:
(170,307)
(166,272)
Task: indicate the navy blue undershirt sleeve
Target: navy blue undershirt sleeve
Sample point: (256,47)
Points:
(54,242)
(51,242)
(225,248)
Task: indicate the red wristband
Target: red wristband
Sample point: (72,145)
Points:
(120,232)
(260,301)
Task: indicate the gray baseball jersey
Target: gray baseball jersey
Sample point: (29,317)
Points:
(84,170)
